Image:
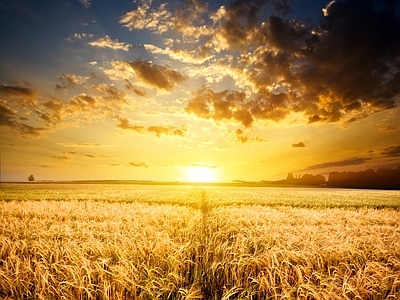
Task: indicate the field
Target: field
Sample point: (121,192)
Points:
(103,241)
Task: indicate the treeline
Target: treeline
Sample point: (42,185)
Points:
(306,179)
(383,178)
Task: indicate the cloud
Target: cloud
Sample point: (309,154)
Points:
(155,75)
(9,145)
(82,102)
(281,6)
(167,130)
(157,130)
(7,119)
(197,56)
(61,88)
(78,145)
(95,156)
(109,92)
(341,163)
(201,164)
(188,19)
(79,36)
(6,114)
(17,91)
(86,3)
(225,105)
(236,24)
(28,130)
(51,111)
(140,164)
(392,151)
(383,127)
(145,17)
(36,164)
(241,137)
(107,42)
(60,158)
(99,101)
(54,104)
(298,145)
(70,81)
(48,118)
(342,69)
(138,92)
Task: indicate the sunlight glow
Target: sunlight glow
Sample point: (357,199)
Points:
(200,174)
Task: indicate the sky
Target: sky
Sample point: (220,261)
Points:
(234,90)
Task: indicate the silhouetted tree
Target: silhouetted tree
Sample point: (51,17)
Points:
(309,179)
(31,178)
(289,177)
(383,178)
(306,179)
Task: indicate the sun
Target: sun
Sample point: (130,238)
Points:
(200,174)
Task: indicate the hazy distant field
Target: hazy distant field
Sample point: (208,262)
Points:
(71,241)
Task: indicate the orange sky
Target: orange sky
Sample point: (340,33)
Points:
(249,90)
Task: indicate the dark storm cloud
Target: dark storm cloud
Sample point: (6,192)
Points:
(237,23)
(392,151)
(281,6)
(341,163)
(157,130)
(155,75)
(352,59)
(345,68)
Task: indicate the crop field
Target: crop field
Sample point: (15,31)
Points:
(120,241)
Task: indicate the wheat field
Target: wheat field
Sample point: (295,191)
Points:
(185,242)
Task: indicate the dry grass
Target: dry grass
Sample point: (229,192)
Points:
(97,249)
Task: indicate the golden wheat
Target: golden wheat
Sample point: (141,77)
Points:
(208,249)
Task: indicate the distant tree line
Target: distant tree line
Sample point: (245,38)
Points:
(306,179)
(383,178)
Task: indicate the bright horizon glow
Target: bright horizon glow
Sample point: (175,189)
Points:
(200,174)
